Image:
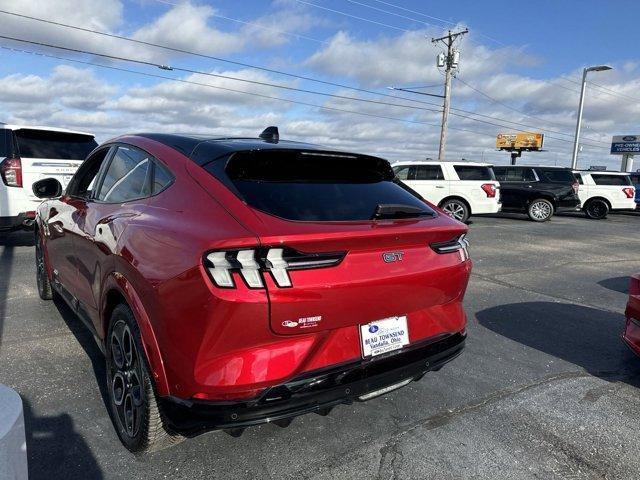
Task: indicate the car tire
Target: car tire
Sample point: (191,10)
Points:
(540,210)
(456,209)
(596,209)
(134,406)
(42,276)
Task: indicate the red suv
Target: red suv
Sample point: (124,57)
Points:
(233,281)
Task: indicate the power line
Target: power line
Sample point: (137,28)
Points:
(389,4)
(218,59)
(269,97)
(494,100)
(247,65)
(389,13)
(351,16)
(187,70)
(610,91)
(216,75)
(216,15)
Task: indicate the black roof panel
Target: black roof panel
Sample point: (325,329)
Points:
(204,148)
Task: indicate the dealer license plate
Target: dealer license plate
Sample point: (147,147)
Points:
(384,336)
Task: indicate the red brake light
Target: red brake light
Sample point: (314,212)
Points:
(576,187)
(630,192)
(489,189)
(11,172)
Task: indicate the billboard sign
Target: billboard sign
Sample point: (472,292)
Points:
(519,141)
(625,144)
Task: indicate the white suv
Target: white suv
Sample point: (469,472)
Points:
(28,154)
(601,192)
(461,189)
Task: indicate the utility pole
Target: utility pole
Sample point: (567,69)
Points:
(450,62)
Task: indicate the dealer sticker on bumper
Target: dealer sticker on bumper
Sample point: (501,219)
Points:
(384,336)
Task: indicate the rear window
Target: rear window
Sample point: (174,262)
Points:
(611,179)
(312,186)
(54,145)
(467,172)
(559,176)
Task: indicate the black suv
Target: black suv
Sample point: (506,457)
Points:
(537,191)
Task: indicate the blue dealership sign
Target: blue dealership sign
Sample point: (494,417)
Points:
(625,144)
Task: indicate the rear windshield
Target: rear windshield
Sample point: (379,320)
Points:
(311,186)
(55,145)
(559,176)
(467,172)
(611,179)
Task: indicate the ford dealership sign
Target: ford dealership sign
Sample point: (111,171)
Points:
(625,144)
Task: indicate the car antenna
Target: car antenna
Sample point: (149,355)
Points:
(270,134)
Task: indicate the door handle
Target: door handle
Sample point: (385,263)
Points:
(439,186)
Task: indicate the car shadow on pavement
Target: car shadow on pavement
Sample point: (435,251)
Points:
(617,284)
(88,344)
(587,337)
(19,238)
(55,449)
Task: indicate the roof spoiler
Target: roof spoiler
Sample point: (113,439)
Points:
(270,134)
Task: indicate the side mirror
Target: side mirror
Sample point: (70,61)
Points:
(47,188)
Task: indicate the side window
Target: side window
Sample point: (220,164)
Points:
(162,178)
(579,178)
(127,177)
(500,173)
(429,172)
(635,179)
(402,172)
(84,180)
(611,179)
(528,175)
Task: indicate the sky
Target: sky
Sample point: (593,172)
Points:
(240,65)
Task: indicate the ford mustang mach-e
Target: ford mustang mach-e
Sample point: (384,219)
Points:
(234,281)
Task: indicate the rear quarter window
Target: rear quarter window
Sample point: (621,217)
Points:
(467,172)
(611,179)
(312,186)
(558,176)
(33,143)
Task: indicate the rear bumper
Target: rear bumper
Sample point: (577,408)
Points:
(313,392)
(485,208)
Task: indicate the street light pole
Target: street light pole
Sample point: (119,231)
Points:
(576,140)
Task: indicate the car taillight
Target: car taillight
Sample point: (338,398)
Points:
(630,192)
(489,189)
(252,264)
(11,172)
(458,244)
(576,187)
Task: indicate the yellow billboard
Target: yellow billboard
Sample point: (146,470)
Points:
(519,141)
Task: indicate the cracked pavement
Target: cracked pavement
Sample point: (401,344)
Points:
(545,388)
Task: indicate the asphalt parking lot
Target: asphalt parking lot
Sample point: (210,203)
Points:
(545,388)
